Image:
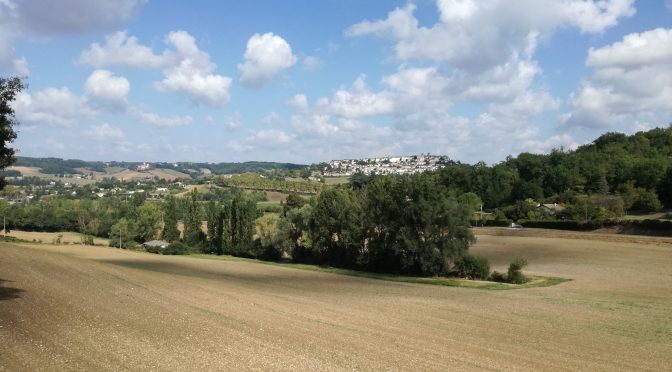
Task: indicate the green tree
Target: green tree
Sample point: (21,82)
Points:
(515,273)
(9,89)
(241,217)
(193,219)
(148,221)
(470,200)
(335,228)
(122,234)
(293,200)
(171,215)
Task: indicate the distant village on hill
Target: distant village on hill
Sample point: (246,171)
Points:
(385,165)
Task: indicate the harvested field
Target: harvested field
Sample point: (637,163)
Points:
(168,174)
(91,308)
(49,237)
(275,196)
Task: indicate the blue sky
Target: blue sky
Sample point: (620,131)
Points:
(309,81)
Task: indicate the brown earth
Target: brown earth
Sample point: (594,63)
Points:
(50,237)
(92,308)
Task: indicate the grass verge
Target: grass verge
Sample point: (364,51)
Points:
(537,281)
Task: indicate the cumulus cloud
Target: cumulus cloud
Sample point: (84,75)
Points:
(193,73)
(72,16)
(298,102)
(121,50)
(265,57)
(269,136)
(105,89)
(311,63)
(234,121)
(360,101)
(157,120)
(271,118)
(186,68)
(57,17)
(52,106)
(104,133)
(631,80)
(475,35)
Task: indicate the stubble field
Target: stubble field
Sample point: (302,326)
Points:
(93,308)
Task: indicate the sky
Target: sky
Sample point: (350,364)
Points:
(307,81)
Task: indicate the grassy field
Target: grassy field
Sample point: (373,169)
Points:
(92,308)
(648,216)
(336,180)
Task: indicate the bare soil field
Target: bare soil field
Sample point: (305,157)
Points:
(93,308)
(49,237)
(35,172)
(169,174)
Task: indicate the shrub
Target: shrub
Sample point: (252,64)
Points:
(472,267)
(515,274)
(87,239)
(176,249)
(563,224)
(496,276)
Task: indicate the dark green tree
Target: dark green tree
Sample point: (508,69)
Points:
(171,215)
(9,89)
(193,219)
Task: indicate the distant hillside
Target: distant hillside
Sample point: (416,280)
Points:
(74,166)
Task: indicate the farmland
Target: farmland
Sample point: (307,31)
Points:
(76,307)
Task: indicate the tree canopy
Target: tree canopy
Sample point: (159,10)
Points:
(9,89)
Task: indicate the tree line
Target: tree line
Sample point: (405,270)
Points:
(633,173)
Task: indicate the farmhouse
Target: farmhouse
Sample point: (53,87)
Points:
(156,244)
(554,209)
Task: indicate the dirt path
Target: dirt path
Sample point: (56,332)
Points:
(91,308)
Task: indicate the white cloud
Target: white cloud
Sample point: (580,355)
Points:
(234,121)
(107,90)
(298,102)
(73,16)
(480,35)
(20,67)
(105,133)
(649,47)
(311,63)
(193,73)
(265,57)
(271,118)
(269,136)
(631,81)
(187,69)
(121,50)
(360,102)
(28,18)
(52,106)
(157,120)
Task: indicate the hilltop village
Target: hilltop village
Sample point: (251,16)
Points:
(385,165)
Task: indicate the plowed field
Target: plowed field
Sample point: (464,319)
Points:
(94,308)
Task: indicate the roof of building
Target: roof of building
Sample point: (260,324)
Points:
(156,243)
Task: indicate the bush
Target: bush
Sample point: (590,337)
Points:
(177,249)
(563,224)
(87,239)
(515,274)
(472,267)
(496,276)
(491,223)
